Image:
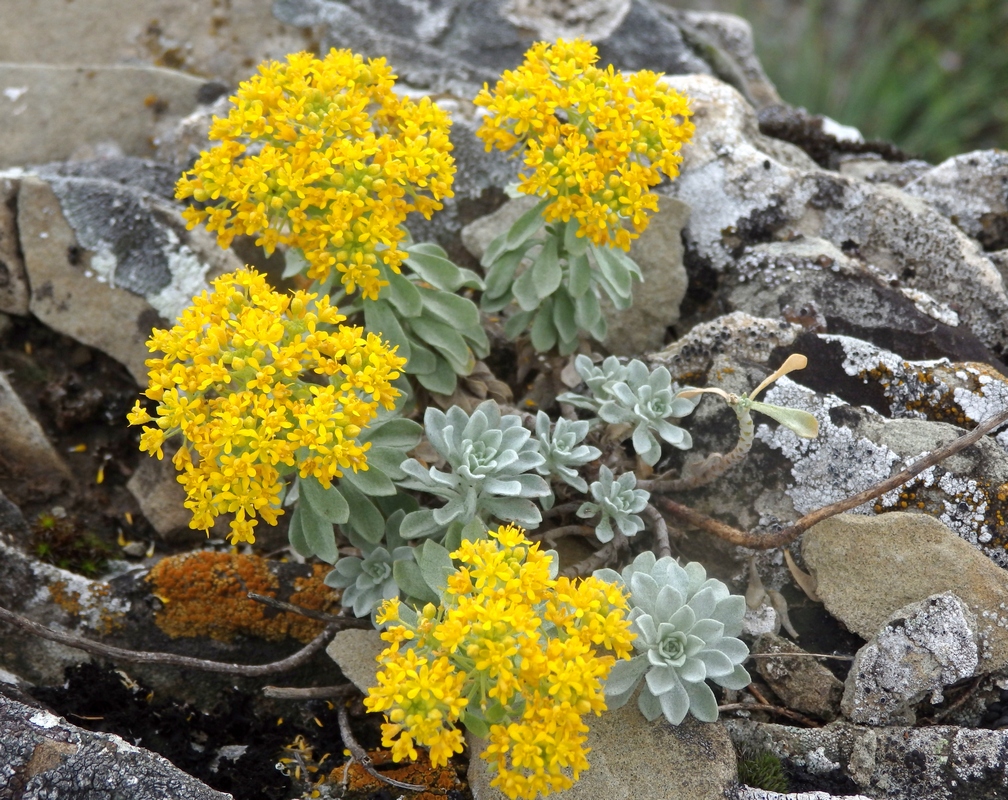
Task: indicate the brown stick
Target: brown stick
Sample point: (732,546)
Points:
(280,605)
(780,710)
(292,661)
(359,754)
(660,529)
(783,537)
(309,692)
(592,563)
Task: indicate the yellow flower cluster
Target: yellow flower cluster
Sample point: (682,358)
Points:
(322,155)
(229,382)
(595,141)
(510,647)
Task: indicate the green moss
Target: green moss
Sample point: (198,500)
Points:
(762,770)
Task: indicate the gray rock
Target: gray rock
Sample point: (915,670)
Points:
(746,189)
(461,44)
(44,757)
(971,190)
(868,568)
(750,793)
(225,41)
(55,112)
(726,42)
(107,263)
(477,235)
(803,684)
(926,646)
(29,461)
(155,487)
(812,282)
(14,289)
(894,763)
(356,652)
(857,448)
(659,253)
(633,759)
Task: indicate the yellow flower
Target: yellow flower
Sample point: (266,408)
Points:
(487,647)
(322,155)
(228,380)
(594,141)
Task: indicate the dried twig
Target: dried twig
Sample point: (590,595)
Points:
(800,655)
(595,561)
(293,661)
(945,713)
(783,537)
(331,619)
(660,529)
(561,510)
(359,754)
(780,710)
(553,534)
(309,692)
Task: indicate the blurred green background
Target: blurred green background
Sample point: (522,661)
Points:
(928,75)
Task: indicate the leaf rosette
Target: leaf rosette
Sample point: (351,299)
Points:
(687,627)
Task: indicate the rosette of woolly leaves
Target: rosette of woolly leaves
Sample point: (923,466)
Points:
(599,381)
(437,330)
(356,500)
(555,280)
(647,400)
(642,399)
(369,580)
(561,447)
(619,501)
(491,459)
(687,628)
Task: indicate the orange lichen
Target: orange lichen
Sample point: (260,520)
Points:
(206,594)
(69,601)
(92,609)
(440,780)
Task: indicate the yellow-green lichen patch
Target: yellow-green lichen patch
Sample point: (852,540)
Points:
(206,594)
(89,603)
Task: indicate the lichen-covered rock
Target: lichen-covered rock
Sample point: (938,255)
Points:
(44,757)
(972,191)
(895,763)
(868,568)
(802,683)
(751,793)
(925,647)
(745,189)
(108,262)
(461,44)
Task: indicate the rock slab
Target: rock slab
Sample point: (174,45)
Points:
(926,647)
(868,568)
(43,757)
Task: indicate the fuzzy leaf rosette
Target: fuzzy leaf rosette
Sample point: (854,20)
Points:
(687,627)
